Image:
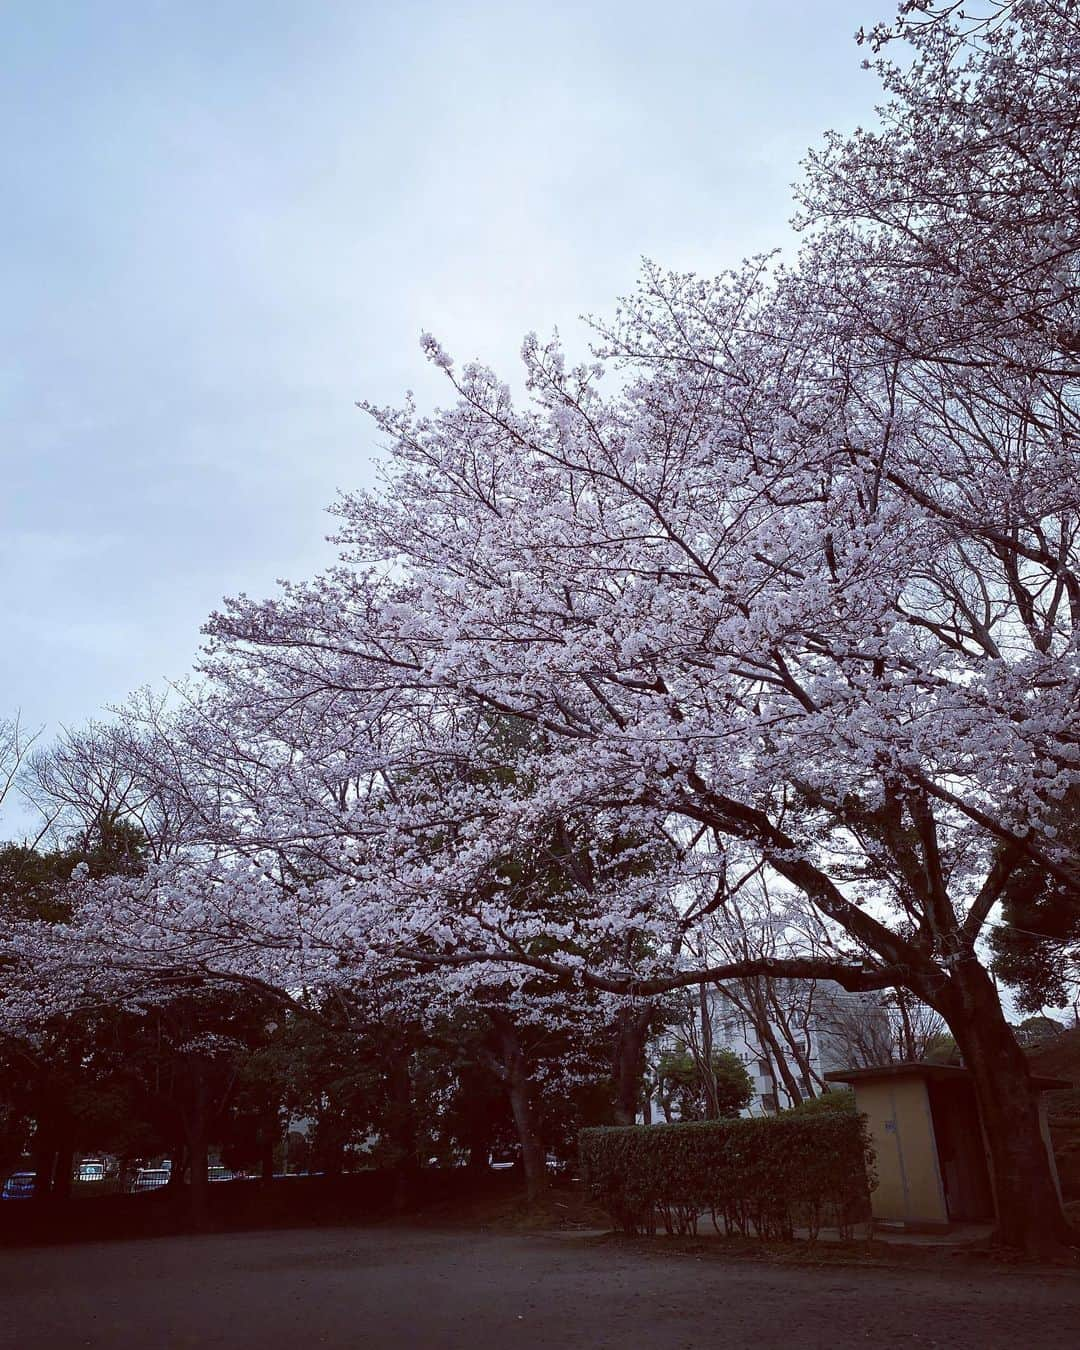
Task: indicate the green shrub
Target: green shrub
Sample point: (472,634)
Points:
(837,1099)
(768,1175)
(681,1083)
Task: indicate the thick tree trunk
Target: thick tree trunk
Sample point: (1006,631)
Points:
(476,1127)
(631,1035)
(268,1134)
(401,1127)
(44,1155)
(1028,1204)
(196,1126)
(516,1079)
(176,1167)
(64,1166)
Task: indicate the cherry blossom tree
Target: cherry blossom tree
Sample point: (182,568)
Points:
(804,582)
(786,574)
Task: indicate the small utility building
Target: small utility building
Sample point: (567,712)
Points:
(932,1164)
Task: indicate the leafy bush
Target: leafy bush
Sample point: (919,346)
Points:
(681,1083)
(767,1176)
(942,1049)
(837,1099)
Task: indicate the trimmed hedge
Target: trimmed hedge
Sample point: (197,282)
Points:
(765,1175)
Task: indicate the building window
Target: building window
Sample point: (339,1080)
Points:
(768,1102)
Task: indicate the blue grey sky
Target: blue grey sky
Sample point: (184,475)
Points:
(226,220)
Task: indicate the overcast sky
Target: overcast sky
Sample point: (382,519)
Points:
(225,221)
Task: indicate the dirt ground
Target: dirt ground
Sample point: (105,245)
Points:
(378,1287)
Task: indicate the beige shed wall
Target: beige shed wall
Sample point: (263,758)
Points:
(909,1188)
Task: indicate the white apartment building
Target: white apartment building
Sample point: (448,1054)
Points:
(808,1030)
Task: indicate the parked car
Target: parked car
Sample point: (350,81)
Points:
(218,1173)
(149,1179)
(91,1169)
(19,1186)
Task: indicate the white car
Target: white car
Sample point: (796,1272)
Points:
(149,1179)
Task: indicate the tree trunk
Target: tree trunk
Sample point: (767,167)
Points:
(335,1163)
(65,1164)
(516,1079)
(401,1127)
(767,1037)
(44,1154)
(631,1034)
(1028,1204)
(476,1125)
(268,1133)
(176,1168)
(799,1045)
(708,1068)
(753,1006)
(907,1033)
(196,1125)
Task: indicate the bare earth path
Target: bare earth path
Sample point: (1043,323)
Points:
(377,1288)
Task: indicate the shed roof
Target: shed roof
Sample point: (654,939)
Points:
(938,1072)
